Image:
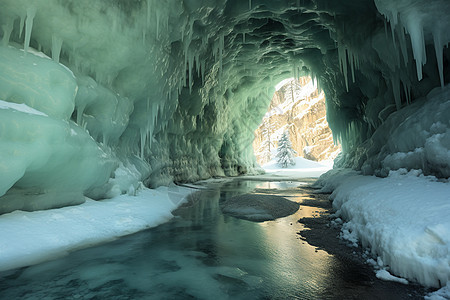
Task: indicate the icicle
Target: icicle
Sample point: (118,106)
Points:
(149,11)
(80,110)
(396,91)
(186,49)
(31,12)
(21,25)
(7,29)
(402,42)
(352,66)
(221,47)
(203,65)
(250,4)
(197,64)
(385,28)
(157,23)
(407,90)
(144,36)
(418,46)
(438,47)
(393,35)
(143,137)
(56,47)
(342,53)
(191,67)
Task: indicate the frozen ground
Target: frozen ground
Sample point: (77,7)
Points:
(402,219)
(32,237)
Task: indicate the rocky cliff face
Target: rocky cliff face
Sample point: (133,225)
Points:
(299,107)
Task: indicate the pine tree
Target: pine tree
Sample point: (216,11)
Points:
(285,153)
(266,131)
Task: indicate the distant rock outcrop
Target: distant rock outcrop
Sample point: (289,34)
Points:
(300,108)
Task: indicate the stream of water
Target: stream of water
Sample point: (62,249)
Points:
(200,254)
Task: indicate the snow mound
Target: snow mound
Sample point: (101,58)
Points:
(442,294)
(259,208)
(32,237)
(385,275)
(402,218)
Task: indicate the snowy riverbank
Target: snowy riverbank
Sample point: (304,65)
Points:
(403,219)
(302,168)
(28,238)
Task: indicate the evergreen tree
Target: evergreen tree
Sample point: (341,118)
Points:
(266,131)
(285,153)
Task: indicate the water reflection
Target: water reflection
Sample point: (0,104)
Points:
(200,254)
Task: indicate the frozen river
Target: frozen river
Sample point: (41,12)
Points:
(204,254)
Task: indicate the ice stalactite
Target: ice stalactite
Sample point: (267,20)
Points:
(56,47)
(22,23)
(439,49)
(342,54)
(415,31)
(31,13)
(422,21)
(7,30)
(395,81)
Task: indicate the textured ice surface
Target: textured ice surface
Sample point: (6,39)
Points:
(173,90)
(415,137)
(403,219)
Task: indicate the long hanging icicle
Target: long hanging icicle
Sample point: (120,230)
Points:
(56,48)
(21,24)
(31,13)
(438,47)
(221,46)
(7,29)
(396,91)
(342,53)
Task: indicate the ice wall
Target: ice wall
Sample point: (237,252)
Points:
(173,90)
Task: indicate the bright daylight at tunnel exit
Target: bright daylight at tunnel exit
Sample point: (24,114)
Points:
(206,149)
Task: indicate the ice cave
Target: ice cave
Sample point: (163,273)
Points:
(99,98)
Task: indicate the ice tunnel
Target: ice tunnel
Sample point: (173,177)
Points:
(97,97)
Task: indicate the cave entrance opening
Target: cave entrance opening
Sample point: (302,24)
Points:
(297,107)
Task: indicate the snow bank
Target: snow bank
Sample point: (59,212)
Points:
(32,237)
(302,168)
(402,218)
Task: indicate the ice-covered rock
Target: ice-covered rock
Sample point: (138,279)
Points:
(258,207)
